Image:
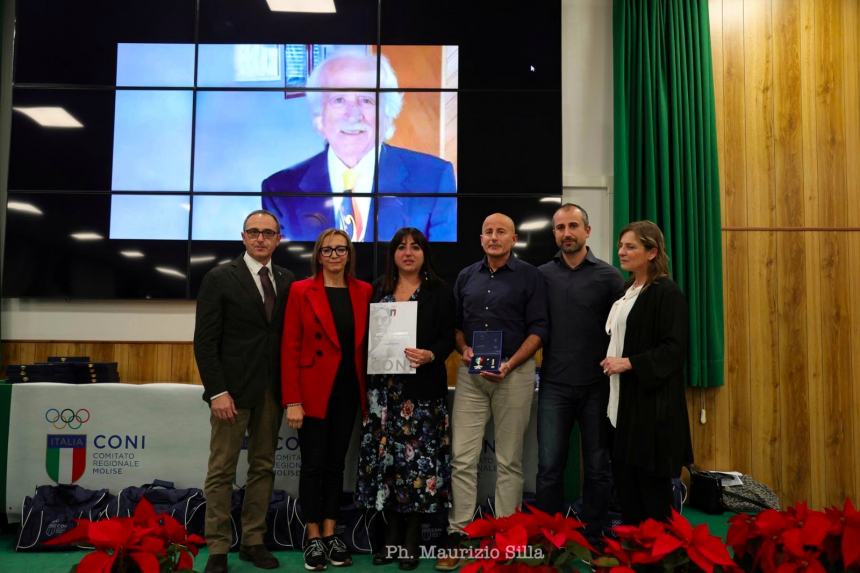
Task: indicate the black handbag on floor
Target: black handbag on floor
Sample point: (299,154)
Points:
(706,492)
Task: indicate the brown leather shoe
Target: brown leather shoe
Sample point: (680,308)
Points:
(259,556)
(216,564)
(447,563)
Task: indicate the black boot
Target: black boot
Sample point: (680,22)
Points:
(393,538)
(411,541)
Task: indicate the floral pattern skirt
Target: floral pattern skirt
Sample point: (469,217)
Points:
(405,452)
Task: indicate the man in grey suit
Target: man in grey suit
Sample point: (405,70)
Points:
(237,335)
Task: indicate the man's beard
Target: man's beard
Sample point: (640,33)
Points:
(572,249)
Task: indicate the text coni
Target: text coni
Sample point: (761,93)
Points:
(120,442)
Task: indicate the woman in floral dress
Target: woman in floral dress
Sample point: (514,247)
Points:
(405,467)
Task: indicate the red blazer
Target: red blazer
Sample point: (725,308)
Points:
(310,351)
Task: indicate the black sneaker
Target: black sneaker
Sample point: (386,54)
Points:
(315,559)
(336,551)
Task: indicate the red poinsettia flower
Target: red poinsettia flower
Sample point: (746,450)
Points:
(703,549)
(850,535)
(741,532)
(613,548)
(484,527)
(144,538)
(512,541)
(487,566)
(559,530)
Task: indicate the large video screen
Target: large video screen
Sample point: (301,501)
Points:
(321,135)
(143,133)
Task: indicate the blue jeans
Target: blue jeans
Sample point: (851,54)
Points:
(559,407)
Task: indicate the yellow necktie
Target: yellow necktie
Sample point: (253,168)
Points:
(350,213)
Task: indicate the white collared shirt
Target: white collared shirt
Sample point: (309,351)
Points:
(254,266)
(363,184)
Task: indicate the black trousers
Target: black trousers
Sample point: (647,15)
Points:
(642,495)
(323,443)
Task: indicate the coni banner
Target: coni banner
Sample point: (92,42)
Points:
(118,435)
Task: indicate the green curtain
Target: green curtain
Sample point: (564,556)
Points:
(666,166)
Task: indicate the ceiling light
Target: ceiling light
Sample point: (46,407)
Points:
(313,6)
(306,255)
(520,245)
(86,236)
(23,207)
(534,225)
(50,116)
(550,200)
(296,249)
(170,272)
(224,261)
(201,259)
(132,254)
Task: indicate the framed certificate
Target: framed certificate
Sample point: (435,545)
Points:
(393,328)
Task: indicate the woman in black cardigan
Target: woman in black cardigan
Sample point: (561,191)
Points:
(645,361)
(405,465)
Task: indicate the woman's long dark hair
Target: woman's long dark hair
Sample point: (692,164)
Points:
(427,273)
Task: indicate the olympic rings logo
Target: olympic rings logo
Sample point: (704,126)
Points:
(67,418)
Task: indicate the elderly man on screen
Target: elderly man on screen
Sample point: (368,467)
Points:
(346,166)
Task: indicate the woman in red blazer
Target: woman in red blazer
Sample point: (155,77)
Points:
(323,383)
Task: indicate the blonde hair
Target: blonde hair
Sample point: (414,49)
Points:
(316,265)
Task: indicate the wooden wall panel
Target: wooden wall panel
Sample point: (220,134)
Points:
(759,109)
(851,69)
(733,116)
(788,111)
(812,218)
(807,102)
(830,114)
(737,337)
(814,382)
(138,363)
(791,327)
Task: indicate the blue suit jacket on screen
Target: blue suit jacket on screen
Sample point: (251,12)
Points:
(400,171)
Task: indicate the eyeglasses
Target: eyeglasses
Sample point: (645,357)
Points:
(254,233)
(332,251)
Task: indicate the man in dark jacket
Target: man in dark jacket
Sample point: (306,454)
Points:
(581,289)
(240,310)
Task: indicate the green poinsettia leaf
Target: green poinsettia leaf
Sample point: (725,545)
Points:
(605,561)
(675,560)
(579,551)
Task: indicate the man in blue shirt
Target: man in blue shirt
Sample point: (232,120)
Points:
(581,290)
(499,293)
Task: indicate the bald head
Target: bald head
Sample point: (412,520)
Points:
(497,219)
(498,238)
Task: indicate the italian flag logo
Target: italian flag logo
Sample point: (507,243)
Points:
(66,457)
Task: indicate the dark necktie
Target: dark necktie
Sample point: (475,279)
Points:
(268,292)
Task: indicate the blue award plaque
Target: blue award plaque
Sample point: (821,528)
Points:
(487,351)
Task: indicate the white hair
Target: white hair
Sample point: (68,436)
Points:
(391,102)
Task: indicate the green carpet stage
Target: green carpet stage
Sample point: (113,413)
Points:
(61,562)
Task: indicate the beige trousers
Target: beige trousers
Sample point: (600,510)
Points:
(509,403)
(225,443)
